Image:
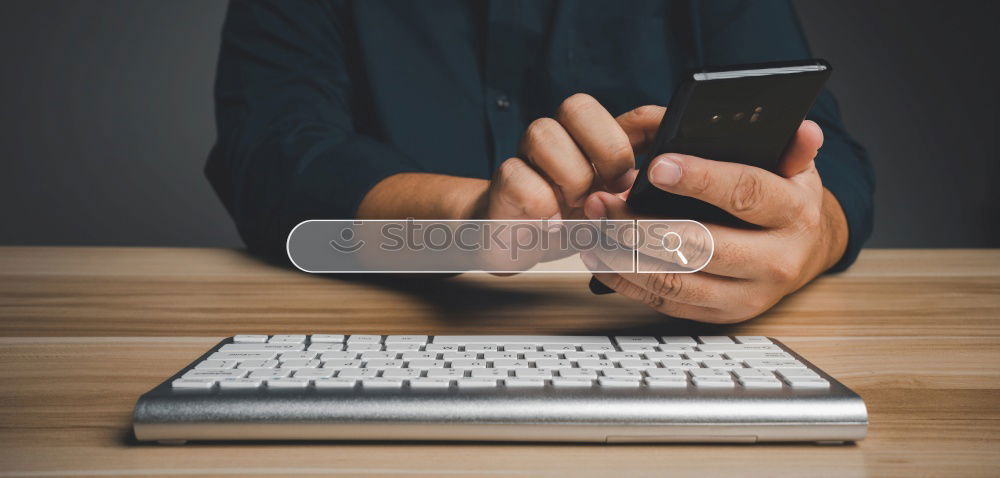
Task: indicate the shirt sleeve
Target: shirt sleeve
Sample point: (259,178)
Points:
(290,145)
(744,31)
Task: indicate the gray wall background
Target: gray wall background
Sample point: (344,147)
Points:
(106,118)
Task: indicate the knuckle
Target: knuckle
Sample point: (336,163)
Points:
(619,150)
(648,112)
(782,270)
(574,104)
(541,131)
(665,285)
(509,169)
(699,182)
(748,193)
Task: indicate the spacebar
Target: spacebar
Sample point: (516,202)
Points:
(521,339)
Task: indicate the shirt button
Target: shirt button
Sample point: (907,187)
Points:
(503,102)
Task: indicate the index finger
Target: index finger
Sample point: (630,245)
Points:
(600,137)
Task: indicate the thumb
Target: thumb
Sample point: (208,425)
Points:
(802,150)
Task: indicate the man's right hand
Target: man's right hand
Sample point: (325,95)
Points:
(565,158)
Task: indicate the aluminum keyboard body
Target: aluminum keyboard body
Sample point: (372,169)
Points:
(604,403)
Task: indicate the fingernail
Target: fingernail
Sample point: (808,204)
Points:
(625,181)
(666,171)
(553,223)
(594,208)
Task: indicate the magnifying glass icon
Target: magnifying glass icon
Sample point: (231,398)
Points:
(675,250)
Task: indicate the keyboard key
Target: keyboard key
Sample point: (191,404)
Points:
(507,364)
(598,364)
(558,348)
(314,373)
(280,347)
(325,347)
(541,355)
(532,373)
(335,383)
(713,382)
(288,383)
(402,373)
(357,373)
(383,363)
(216,364)
(616,356)
(638,364)
(684,364)
(442,348)
(718,348)
(482,347)
(675,348)
(464,363)
(632,339)
(402,347)
(258,364)
(666,373)
(364,339)
(588,373)
(326,338)
(377,355)
(287,339)
(752,372)
(339,356)
(459,355)
(572,382)
(363,347)
(215,374)
(699,356)
(240,383)
(488,373)
(551,363)
(722,364)
(430,383)
(382,383)
(662,356)
(774,364)
(300,363)
(250,339)
(520,339)
(763,383)
(520,348)
(298,356)
(748,339)
(419,356)
(406,339)
(715,339)
(500,356)
(338,364)
(581,355)
(800,383)
(445,373)
(671,382)
(193,383)
(270,373)
(621,373)
(637,347)
(742,355)
(709,372)
(618,382)
(243,356)
(796,373)
(679,340)
(466,382)
(597,348)
(425,363)
(516,382)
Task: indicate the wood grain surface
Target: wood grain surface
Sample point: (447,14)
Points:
(85,331)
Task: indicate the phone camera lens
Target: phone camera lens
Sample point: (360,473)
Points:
(715,119)
(738,116)
(758,109)
(754,117)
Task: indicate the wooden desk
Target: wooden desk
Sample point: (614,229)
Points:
(85,331)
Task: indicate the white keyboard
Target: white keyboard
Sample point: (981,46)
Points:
(492,387)
(442,362)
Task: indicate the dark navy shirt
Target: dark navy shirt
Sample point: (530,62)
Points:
(317,101)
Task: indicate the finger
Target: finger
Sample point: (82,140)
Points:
(735,252)
(641,125)
(749,193)
(600,137)
(519,192)
(802,150)
(552,151)
(657,303)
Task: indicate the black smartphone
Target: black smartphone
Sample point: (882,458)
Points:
(744,114)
